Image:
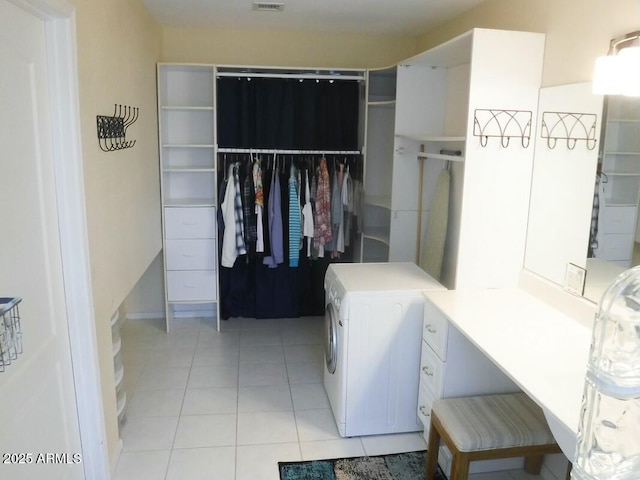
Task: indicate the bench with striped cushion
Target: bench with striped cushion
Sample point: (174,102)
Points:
(488,427)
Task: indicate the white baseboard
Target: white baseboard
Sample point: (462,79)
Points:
(143,315)
(182,314)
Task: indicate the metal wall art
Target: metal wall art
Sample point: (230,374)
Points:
(112,130)
(570,127)
(502,124)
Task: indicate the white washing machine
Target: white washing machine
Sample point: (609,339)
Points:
(373,327)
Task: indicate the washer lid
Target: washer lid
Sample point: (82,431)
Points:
(378,277)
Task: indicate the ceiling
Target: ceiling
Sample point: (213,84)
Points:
(381,17)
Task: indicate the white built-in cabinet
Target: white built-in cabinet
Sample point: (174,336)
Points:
(378,168)
(186,110)
(620,182)
(451,366)
(467,105)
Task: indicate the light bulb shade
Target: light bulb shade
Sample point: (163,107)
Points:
(630,61)
(606,76)
(618,74)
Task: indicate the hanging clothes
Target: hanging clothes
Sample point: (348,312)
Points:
(307,214)
(259,205)
(322,227)
(274,206)
(294,220)
(233,237)
(249,213)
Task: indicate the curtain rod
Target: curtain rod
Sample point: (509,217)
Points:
(288,152)
(299,76)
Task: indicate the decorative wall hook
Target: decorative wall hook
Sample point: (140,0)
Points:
(502,124)
(570,127)
(112,130)
(10,331)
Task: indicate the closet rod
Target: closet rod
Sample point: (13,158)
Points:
(299,76)
(288,152)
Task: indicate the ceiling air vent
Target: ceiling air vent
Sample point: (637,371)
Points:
(268,6)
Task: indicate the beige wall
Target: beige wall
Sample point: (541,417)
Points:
(283,48)
(118,46)
(577,30)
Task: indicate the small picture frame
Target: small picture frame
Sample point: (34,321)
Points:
(574,279)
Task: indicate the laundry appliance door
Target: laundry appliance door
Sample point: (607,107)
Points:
(331,338)
(335,374)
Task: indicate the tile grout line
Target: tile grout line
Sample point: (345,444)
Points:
(293,407)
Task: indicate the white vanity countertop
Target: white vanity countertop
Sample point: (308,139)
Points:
(543,350)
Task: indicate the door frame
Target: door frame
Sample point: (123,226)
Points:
(62,68)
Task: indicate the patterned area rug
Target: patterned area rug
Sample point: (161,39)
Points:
(402,466)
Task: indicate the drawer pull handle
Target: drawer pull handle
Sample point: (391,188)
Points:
(184,222)
(423,411)
(189,286)
(430,329)
(188,255)
(426,370)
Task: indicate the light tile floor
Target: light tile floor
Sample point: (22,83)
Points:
(229,405)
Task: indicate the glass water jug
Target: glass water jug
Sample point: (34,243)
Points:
(608,443)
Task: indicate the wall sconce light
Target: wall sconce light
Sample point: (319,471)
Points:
(618,73)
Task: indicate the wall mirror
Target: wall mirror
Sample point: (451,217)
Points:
(601,154)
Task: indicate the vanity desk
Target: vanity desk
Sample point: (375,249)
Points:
(536,334)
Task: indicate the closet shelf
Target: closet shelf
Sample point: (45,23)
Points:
(621,153)
(117,347)
(379,234)
(189,169)
(621,174)
(188,145)
(440,156)
(382,103)
(188,108)
(383,201)
(624,120)
(433,138)
(193,302)
(119,375)
(122,402)
(190,202)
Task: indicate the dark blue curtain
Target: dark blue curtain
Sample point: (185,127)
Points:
(283,114)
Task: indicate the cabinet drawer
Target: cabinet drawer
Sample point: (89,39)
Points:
(197,222)
(618,220)
(191,286)
(191,254)
(425,401)
(616,246)
(432,370)
(435,327)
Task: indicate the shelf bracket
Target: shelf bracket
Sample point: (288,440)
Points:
(502,124)
(569,126)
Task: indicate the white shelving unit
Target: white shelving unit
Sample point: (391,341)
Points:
(187,117)
(380,118)
(439,95)
(618,215)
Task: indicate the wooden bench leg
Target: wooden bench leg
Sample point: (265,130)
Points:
(432,451)
(460,466)
(533,464)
